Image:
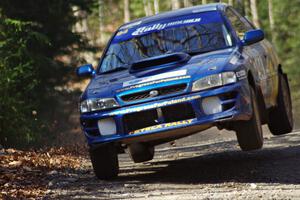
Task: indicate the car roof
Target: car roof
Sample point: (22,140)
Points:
(176,13)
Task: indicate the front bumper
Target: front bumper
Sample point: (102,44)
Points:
(235,100)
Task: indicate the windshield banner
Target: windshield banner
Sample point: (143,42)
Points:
(159,26)
(139,28)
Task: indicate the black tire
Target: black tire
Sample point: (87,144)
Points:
(140,152)
(105,161)
(249,133)
(281,117)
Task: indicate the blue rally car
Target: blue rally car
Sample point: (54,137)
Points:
(177,73)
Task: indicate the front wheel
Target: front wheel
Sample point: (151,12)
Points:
(249,133)
(281,117)
(105,161)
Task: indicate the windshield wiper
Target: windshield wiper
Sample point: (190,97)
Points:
(115,70)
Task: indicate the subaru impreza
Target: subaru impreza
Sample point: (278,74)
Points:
(178,73)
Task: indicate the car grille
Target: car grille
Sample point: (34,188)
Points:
(160,92)
(173,113)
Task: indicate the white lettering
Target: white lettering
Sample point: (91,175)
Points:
(160,26)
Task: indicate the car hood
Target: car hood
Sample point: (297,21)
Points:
(108,85)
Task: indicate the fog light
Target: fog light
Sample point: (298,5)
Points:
(107,126)
(211,105)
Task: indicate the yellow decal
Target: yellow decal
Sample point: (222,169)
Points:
(160,126)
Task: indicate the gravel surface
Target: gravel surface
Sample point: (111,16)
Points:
(208,165)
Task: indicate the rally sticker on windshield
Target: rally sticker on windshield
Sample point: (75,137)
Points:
(161,26)
(155,77)
(145,27)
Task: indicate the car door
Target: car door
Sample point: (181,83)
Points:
(271,63)
(254,53)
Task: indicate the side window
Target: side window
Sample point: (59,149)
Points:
(238,23)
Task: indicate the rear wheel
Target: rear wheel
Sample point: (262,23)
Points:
(281,117)
(249,133)
(105,161)
(140,152)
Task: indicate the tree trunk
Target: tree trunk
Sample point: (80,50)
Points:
(145,7)
(204,2)
(126,11)
(230,2)
(254,13)
(101,26)
(149,6)
(187,3)
(271,18)
(175,4)
(247,9)
(156,6)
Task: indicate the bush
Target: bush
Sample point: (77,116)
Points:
(35,36)
(19,82)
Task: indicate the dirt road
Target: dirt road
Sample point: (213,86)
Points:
(203,166)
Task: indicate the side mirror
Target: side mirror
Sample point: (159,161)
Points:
(85,71)
(253,36)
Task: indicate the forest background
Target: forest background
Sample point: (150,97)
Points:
(43,41)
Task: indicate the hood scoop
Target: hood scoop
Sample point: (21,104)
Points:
(166,60)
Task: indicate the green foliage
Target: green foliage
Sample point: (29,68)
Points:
(287,35)
(36,34)
(287,40)
(137,9)
(33,34)
(18,81)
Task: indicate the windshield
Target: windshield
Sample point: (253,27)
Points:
(189,38)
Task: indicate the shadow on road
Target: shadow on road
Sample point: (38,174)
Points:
(218,164)
(278,162)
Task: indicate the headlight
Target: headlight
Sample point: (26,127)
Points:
(214,81)
(90,105)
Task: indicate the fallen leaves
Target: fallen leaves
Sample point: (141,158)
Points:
(15,163)
(27,174)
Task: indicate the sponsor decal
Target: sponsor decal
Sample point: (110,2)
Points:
(160,126)
(155,77)
(241,74)
(139,28)
(152,106)
(161,26)
(153,82)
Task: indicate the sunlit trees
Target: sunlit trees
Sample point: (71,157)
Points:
(254,12)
